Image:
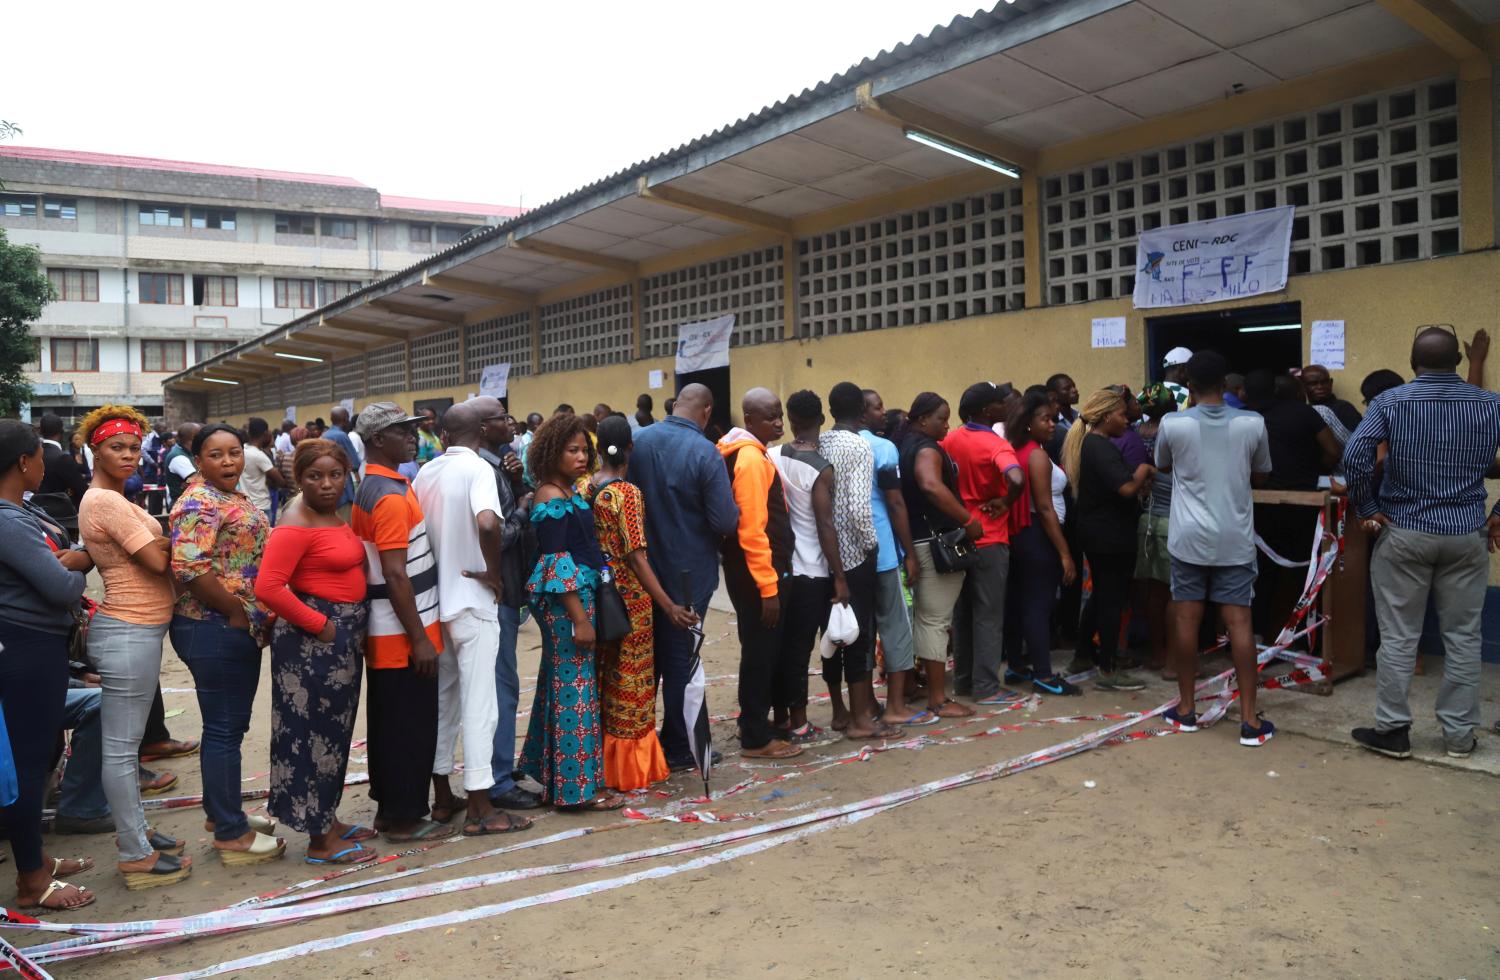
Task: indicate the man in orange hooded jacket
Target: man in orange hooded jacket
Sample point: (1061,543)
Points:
(757,557)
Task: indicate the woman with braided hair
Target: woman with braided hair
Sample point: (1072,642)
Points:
(1107,513)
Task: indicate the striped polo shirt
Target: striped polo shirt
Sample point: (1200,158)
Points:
(388,517)
(1443,434)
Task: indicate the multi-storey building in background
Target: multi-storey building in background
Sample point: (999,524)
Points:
(159,264)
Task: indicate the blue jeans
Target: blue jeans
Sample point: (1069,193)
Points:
(507,699)
(81,795)
(225,664)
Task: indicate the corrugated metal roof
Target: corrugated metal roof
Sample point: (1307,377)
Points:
(456,207)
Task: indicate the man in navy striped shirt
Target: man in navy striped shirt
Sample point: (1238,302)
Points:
(1428,508)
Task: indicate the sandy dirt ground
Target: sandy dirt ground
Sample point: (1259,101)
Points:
(1184,856)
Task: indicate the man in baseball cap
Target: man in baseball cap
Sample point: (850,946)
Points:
(379,416)
(1175,376)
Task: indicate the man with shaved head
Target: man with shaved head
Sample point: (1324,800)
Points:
(1429,511)
(464,522)
(757,559)
(689,508)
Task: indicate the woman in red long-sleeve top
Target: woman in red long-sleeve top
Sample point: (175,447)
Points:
(313,577)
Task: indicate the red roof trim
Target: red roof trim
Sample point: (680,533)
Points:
(182,166)
(459,207)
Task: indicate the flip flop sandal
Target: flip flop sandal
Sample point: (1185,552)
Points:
(920,720)
(165,845)
(513,825)
(879,734)
(958,710)
(782,750)
(262,850)
(349,855)
(426,830)
(1003,696)
(460,805)
(358,833)
(168,870)
(86,864)
(156,787)
(53,889)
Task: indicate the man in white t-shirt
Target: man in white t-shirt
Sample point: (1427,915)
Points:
(464,521)
(1215,454)
(260,476)
(284,442)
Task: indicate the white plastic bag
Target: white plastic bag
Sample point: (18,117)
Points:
(842,630)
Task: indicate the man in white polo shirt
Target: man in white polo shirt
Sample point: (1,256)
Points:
(458,497)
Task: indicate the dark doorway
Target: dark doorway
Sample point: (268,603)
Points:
(438,405)
(717,381)
(1250,337)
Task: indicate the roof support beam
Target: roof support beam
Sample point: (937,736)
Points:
(904,115)
(419,312)
(257,357)
(1445,24)
(304,345)
(354,325)
(470,288)
(241,369)
(723,210)
(320,343)
(624,266)
(497,309)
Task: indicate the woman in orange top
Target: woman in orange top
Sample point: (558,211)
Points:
(312,577)
(125,635)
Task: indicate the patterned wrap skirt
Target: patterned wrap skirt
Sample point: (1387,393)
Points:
(314,699)
(563,749)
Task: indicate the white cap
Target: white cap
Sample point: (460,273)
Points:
(1177,355)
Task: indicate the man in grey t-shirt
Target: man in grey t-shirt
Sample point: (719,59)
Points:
(1215,454)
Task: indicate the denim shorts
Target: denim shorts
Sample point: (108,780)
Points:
(1228,585)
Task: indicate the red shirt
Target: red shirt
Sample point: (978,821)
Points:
(327,562)
(983,459)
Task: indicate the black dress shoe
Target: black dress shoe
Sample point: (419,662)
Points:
(1395,743)
(83,825)
(517,798)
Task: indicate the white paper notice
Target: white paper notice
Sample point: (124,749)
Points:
(655,379)
(1327,345)
(348,405)
(493,380)
(291,412)
(1109,331)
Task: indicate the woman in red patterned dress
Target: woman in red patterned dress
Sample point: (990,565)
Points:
(633,757)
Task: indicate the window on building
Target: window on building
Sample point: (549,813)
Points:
(340,228)
(296,224)
(161,287)
(337,289)
(161,215)
(75,285)
(299,294)
(204,349)
(216,291)
(35,363)
(213,218)
(61,208)
(419,234)
(18,205)
(73,354)
(163,355)
(448,234)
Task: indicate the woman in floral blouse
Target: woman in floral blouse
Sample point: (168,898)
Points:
(218,629)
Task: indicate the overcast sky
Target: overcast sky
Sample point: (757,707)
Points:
(503,103)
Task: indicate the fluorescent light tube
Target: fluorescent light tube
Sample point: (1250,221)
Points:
(979,160)
(298,357)
(1279,326)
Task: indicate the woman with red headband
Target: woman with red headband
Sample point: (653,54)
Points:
(125,635)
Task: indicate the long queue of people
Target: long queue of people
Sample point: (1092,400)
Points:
(902,538)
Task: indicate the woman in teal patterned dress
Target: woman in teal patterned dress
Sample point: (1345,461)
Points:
(564,749)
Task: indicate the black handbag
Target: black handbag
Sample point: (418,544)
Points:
(952,551)
(611,618)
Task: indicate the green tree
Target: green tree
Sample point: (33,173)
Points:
(24,290)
